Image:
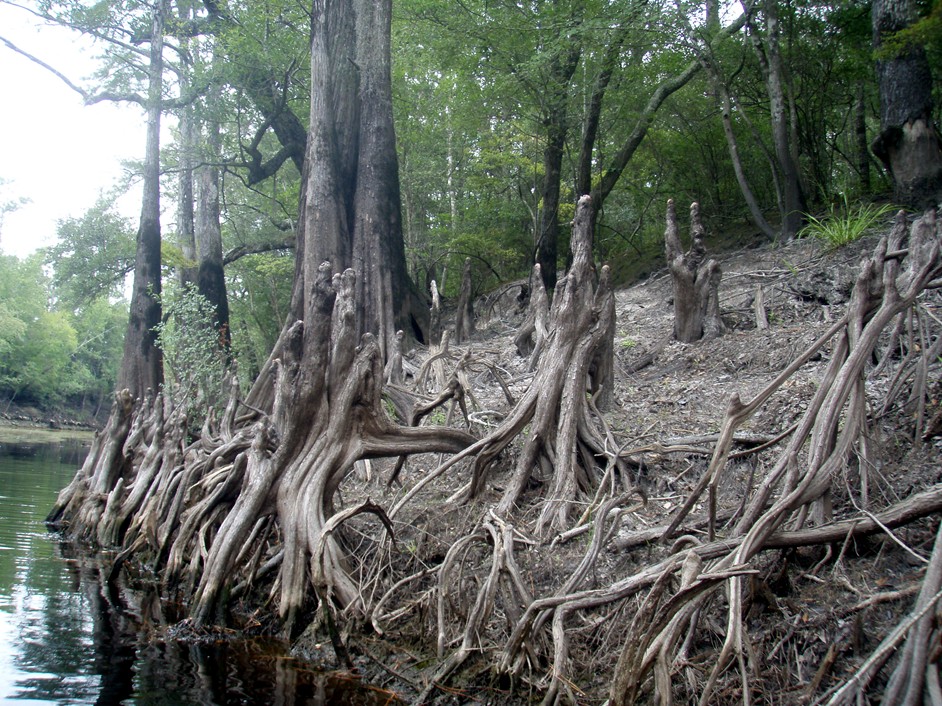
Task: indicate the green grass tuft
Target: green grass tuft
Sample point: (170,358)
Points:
(845,224)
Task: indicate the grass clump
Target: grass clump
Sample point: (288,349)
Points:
(844,224)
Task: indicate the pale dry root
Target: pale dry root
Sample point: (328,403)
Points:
(257,510)
(258,500)
(563,442)
(825,437)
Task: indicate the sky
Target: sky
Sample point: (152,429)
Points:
(54,150)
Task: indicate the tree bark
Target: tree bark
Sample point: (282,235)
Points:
(696,281)
(211,279)
(464,322)
(593,115)
(768,51)
(862,144)
(186,217)
(562,441)
(141,365)
(351,199)
(909,143)
(726,110)
(556,120)
(533,331)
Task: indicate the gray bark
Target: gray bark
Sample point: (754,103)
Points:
(909,143)
(695,279)
(141,365)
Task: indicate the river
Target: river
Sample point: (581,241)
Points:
(67,639)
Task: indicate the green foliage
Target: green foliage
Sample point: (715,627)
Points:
(259,289)
(93,255)
(8,203)
(844,224)
(100,328)
(49,355)
(924,32)
(172,257)
(195,357)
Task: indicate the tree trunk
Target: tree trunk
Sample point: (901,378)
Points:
(664,90)
(211,280)
(556,120)
(909,143)
(464,322)
(770,56)
(534,330)
(696,281)
(593,115)
(726,111)
(186,218)
(141,365)
(327,415)
(350,210)
(188,128)
(561,443)
(862,144)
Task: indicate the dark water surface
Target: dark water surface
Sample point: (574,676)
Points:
(64,639)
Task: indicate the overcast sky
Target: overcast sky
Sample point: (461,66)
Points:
(55,151)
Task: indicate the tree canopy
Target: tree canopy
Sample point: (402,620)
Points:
(504,113)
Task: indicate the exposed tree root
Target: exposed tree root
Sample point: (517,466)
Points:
(696,280)
(203,520)
(562,442)
(525,570)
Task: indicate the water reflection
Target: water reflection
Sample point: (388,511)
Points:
(66,637)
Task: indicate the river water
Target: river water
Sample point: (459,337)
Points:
(65,638)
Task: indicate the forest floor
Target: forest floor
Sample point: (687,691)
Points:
(813,615)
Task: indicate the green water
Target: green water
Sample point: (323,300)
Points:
(65,638)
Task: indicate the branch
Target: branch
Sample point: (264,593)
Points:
(256,248)
(89,98)
(116,98)
(666,88)
(62,77)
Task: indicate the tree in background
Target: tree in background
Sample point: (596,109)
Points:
(51,351)
(92,256)
(479,114)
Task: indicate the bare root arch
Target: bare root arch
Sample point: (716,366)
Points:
(529,553)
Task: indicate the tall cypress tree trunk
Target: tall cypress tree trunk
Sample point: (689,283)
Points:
(141,366)
(383,286)
(186,236)
(210,279)
(186,225)
(547,239)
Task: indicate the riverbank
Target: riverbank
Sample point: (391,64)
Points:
(27,434)
(16,416)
